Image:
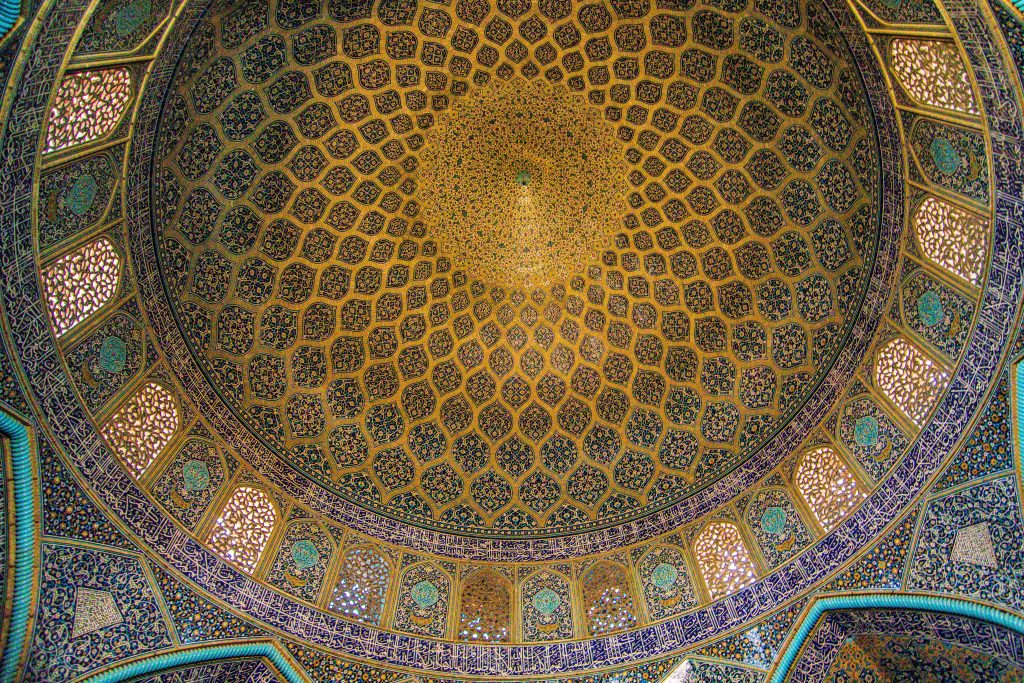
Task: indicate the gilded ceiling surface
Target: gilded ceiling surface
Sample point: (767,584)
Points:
(564,294)
(456,340)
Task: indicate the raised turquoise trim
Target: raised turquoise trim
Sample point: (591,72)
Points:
(199,655)
(10,10)
(1017,421)
(25,541)
(928,603)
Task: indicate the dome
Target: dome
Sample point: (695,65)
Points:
(469,340)
(488,305)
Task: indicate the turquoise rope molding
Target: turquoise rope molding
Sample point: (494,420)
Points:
(1017,419)
(25,541)
(199,655)
(927,603)
(10,10)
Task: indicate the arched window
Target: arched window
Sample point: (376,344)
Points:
(606,597)
(243,528)
(911,380)
(143,427)
(87,106)
(80,283)
(933,73)
(486,608)
(827,485)
(362,586)
(723,559)
(955,239)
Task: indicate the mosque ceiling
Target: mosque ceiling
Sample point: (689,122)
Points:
(516,269)
(598,341)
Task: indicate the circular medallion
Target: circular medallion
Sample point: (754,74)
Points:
(196,475)
(424,594)
(567,193)
(113,355)
(546,601)
(305,554)
(865,431)
(664,576)
(131,16)
(773,521)
(81,195)
(929,308)
(945,156)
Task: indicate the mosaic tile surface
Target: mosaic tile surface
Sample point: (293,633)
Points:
(492,434)
(332,302)
(116,616)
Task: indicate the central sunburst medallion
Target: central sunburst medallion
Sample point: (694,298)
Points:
(523,184)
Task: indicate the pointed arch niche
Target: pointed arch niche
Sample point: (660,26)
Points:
(485,613)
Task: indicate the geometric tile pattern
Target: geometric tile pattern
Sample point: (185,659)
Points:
(973,544)
(706,187)
(96,607)
(972,528)
(94,610)
(969,543)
